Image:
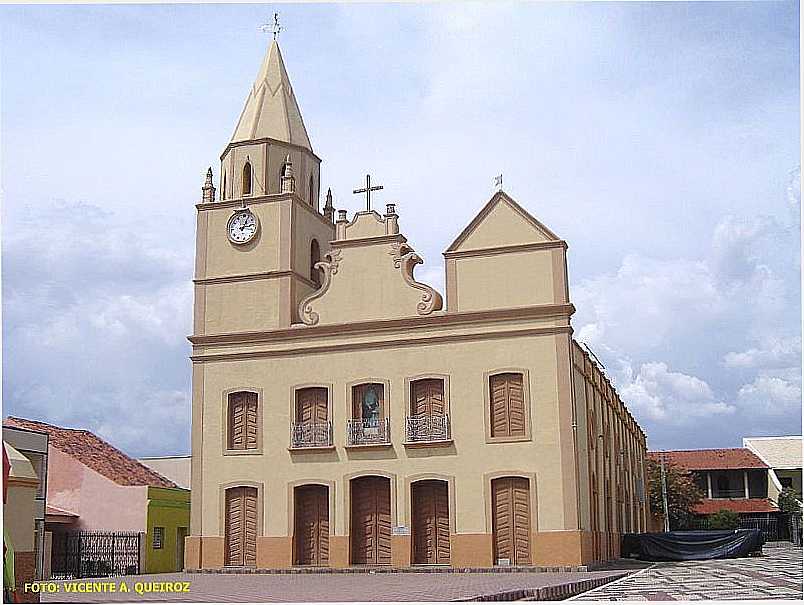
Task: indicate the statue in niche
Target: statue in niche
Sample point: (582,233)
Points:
(371,407)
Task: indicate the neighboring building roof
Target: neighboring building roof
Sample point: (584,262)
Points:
(175,468)
(95,453)
(712,459)
(52,510)
(271,110)
(21,467)
(776,452)
(745,505)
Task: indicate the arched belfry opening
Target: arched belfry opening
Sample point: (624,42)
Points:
(247,178)
(312,192)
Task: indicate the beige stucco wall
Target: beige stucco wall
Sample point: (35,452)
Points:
(467,460)
(509,310)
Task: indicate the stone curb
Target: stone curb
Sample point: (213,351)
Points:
(557,592)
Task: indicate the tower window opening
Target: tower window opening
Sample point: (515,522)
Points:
(247,178)
(315,257)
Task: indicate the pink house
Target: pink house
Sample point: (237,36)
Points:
(92,486)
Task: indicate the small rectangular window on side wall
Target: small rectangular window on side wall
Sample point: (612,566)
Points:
(158,538)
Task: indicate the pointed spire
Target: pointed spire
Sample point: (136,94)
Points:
(208,190)
(329,209)
(271,110)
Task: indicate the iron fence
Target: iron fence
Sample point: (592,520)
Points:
(366,431)
(307,434)
(795,529)
(773,527)
(95,554)
(427,428)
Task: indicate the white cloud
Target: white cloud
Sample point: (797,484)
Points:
(94,328)
(774,353)
(770,395)
(660,394)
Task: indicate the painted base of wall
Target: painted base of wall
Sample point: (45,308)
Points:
(25,571)
(548,549)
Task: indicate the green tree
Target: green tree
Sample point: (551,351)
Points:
(682,493)
(724,519)
(787,501)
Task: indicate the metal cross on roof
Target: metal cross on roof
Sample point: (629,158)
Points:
(275,28)
(367,190)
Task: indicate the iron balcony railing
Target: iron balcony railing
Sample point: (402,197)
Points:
(367,431)
(424,429)
(309,434)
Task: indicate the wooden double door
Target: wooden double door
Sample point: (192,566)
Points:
(430,522)
(510,501)
(370,530)
(311,525)
(240,531)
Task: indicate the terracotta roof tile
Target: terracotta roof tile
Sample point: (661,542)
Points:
(97,454)
(712,459)
(751,505)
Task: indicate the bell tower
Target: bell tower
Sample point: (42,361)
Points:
(256,244)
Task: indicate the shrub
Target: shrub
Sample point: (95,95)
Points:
(724,519)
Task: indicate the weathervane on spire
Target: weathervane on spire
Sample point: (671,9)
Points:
(274,29)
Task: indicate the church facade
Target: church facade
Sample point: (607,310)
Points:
(346,414)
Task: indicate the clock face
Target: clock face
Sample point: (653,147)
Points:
(242,227)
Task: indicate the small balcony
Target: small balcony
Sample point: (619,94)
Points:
(310,435)
(368,431)
(427,429)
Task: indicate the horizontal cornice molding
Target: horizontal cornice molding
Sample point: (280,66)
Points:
(367,241)
(271,198)
(390,344)
(270,141)
(228,279)
(507,249)
(302,331)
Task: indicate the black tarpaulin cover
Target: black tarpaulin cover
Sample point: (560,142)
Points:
(692,545)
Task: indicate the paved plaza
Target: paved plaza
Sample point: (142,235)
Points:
(313,587)
(775,575)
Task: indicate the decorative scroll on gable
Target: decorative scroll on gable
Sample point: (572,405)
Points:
(368,275)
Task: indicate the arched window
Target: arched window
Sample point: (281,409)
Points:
(247,178)
(312,191)
(223,187)
(315,257)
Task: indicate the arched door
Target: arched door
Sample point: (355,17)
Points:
(241,526)
(510,501)
(430,521)
(311,525)
(370,531)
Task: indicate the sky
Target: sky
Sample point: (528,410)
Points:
(660,140)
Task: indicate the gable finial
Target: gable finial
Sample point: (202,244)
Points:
(498,183)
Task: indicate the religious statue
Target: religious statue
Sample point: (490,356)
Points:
(371,407)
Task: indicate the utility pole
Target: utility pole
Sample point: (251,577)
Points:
(664,494)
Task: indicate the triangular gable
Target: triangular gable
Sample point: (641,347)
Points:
(502,222)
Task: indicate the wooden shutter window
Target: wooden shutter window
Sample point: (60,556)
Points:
(243,421)
(507,403)
(311,405)
(427,397)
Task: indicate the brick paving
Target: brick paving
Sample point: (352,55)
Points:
(775,575)
(276,588)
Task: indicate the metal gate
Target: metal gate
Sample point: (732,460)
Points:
(95,554)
